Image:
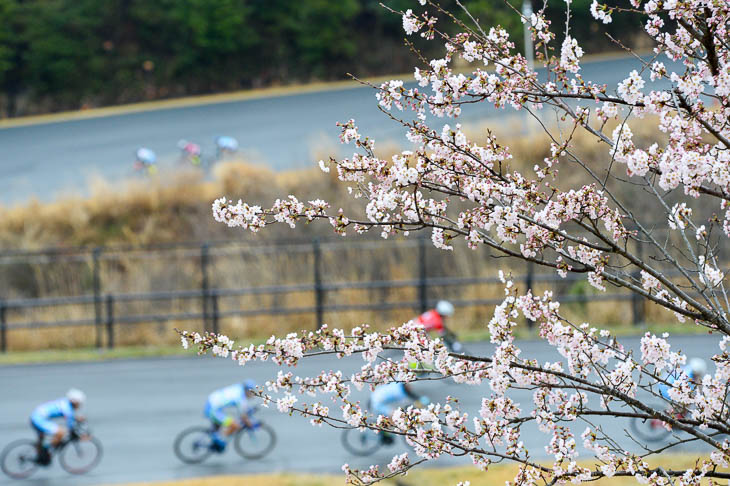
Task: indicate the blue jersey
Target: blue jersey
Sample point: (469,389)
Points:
(55,409)
(674,376)
(230,396)
(389,394)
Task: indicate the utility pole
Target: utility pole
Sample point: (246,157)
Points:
(529,48)
(530,124)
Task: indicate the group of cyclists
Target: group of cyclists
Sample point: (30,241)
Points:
(52,421)
(190,152)
(228,409)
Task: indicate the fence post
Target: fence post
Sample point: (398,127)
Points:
(318,289)
(529,280)
(204,284)
(637,301)
(422,276)
(97,295)
(3,329)
(216,316)
(110,321)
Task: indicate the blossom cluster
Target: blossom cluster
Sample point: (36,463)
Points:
(593,361)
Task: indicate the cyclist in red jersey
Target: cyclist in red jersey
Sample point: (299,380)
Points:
(433,321)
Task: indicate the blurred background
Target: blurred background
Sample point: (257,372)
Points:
(103,257)
(90,244)
(75,54)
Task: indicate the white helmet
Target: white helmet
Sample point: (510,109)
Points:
(75,395)
(445,308)
(146,155)
(698,367)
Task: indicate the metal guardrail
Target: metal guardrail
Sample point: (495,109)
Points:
(107,318)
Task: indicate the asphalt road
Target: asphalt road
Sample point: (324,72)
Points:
(49,159)
(137,407)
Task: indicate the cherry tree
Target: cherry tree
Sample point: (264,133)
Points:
(459,188)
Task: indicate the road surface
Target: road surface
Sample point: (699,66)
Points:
(137,407)
(50,159)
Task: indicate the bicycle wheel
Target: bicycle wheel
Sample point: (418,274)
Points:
(255,443)
(651,430)
(80,456)
(18,459)
(192,445)
(361,443)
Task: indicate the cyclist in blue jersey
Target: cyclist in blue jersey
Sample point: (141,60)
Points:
(145,160)
(220,402)
(386,398)
(695,370)
(225,145)
(42,420)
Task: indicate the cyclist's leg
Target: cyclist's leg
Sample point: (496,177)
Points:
(381,409)
(386,411)
(43,428)
(216,418)
(452,342)
(39,433)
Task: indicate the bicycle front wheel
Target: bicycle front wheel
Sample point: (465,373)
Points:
(80,456)
(192,445)
(650,430)
(361,443)
(18,459)
(255,443)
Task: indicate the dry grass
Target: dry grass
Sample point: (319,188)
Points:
(497,474)
(176,206)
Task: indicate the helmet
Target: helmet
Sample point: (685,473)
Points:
(146,155)
(698,367)
(75,395)
(226,142)
(248,385)
(445,308)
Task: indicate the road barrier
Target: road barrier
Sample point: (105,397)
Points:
(109,307)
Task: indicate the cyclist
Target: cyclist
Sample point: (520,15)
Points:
(386,398)
(233,396)
(145,159)
(190,151)
(694,370)
(433,320)
(225,145)
(42,420)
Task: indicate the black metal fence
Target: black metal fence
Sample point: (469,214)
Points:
(113,309)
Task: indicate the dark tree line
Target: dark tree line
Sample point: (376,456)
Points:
(66,54)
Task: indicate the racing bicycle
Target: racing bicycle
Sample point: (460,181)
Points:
(195,444)
(78,453)
(366,442)
(652,429)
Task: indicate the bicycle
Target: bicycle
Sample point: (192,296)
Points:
(366,442)
(650,430)
(195,444)
(78,453)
